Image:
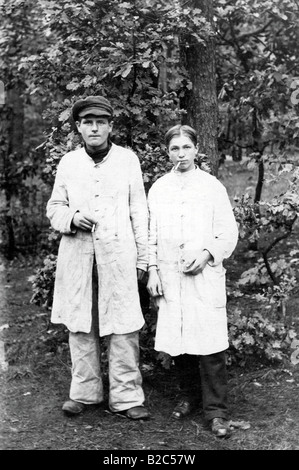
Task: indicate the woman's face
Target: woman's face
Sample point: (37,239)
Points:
(182,149)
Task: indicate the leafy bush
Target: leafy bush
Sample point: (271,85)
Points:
(251,337)
(256,337)
(258,277)
(43,282)
(265,225)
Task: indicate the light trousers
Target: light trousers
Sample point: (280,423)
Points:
(125,380)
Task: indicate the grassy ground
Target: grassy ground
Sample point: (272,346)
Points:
(264,403)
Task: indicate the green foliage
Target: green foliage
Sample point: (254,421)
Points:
(22,191)
(257,61)
(259,276)
(266,225)
(273,278)
(43,282)
(118,49)
(256,337)
(266,291)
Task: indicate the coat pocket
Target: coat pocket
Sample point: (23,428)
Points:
(215,285)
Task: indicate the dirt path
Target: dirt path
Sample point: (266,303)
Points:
(264,402)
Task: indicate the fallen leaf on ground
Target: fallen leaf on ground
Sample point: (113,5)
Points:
(239,424)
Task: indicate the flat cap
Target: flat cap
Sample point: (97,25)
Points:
(97,105)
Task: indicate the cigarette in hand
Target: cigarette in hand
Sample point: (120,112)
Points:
(177,165)
(93,228)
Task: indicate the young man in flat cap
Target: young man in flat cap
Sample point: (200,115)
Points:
(99,206)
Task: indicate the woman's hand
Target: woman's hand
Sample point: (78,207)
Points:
(198,263)
(154,285)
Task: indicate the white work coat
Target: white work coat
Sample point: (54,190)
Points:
(112,192)
(190,212)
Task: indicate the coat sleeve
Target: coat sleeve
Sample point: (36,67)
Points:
(225,228)
(138,212)
(58,210)
(152,241)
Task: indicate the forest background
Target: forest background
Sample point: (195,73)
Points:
(228,68)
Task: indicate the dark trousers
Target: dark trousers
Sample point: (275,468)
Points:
(204,378)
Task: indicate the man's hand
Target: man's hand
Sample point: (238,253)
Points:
(196,263)
(154,285)
(83,221)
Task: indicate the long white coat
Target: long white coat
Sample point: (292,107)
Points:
(189,212)
(113,193)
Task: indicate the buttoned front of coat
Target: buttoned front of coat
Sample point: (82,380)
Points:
(112,192)
(190,212)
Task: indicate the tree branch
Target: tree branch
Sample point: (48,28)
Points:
(255,32)
(269,270)
(282,237)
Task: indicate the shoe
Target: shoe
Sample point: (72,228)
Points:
(183,408)
(71,407)
(219,427)
(137,412)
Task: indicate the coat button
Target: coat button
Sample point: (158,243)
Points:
(182,245)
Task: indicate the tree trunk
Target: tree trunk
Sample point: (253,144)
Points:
(260,180)
(15,102)
(12,147)
(201,101)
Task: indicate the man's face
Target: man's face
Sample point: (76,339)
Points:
(94,130)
